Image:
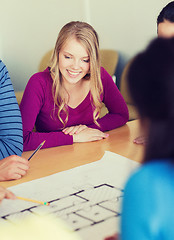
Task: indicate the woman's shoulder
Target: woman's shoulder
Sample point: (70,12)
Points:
(1,64)
(41,78)
(105,76)
(151,174)
(41,75)
(3,69)
(4,76)
(103,72)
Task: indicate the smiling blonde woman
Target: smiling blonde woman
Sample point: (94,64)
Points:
(64,101)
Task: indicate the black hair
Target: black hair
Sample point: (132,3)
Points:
(151,86)
(167,13)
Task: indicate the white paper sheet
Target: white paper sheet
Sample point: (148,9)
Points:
(88,197)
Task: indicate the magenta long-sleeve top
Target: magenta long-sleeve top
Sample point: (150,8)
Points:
(37,110)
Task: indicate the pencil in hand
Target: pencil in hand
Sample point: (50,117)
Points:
(37,149)
(34,201)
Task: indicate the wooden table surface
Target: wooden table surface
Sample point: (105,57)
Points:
(52,160)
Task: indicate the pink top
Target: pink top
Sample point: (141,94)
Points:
(37,110)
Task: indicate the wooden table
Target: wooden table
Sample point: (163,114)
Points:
(52,160)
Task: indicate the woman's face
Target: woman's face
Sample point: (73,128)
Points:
(74,62)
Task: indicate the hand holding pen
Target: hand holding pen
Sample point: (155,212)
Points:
(14,167)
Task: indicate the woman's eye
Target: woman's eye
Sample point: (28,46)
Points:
(86,60)
(67,57)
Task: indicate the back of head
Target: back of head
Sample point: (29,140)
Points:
(151,86)
(167,13)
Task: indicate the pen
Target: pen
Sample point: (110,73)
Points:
(34,201)
(37,149)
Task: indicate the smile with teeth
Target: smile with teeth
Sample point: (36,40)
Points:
(73,73)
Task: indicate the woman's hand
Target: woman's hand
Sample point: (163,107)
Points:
(140,140)
(4,193)
(89,135)
(74,129)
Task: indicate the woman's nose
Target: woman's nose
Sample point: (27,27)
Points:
(76,64)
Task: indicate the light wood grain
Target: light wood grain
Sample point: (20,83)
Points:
(52,160)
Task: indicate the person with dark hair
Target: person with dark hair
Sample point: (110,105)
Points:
(165,21)
(147,211)
(165,29)
(147,208)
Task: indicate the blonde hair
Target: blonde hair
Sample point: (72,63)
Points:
(88,37)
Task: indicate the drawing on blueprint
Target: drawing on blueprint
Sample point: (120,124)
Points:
(87,197)
(81,209)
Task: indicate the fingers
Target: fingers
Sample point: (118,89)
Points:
(14,159)
(13,167)
(98,137)
(80,128)
(97,133)
(14,176)
(74,129)
(140,140)
(105,135)
(89,135)
(82,133)
(18,159)
(20,171)
(4,193)
(18,165)
(70,130)
(17,171)
(10,195)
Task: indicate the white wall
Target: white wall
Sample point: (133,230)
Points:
(125,25)
(29,28)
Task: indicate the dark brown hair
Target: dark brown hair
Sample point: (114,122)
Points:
(151,85)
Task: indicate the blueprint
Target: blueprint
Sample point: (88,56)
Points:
(88,198)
